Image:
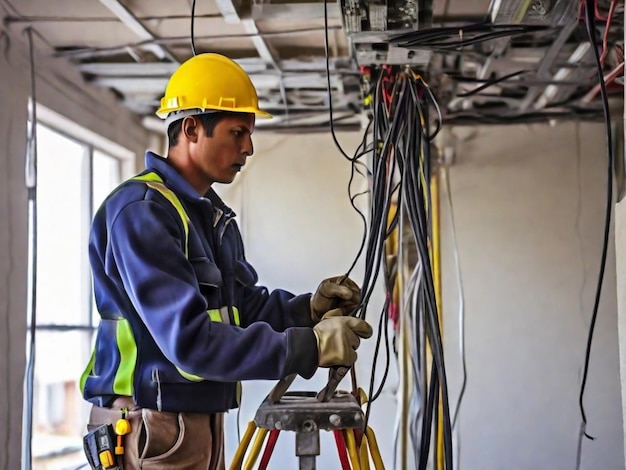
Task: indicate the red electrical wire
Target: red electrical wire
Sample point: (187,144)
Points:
(608,79)
(269,448)
(605,39)
(596,12)
(340,440)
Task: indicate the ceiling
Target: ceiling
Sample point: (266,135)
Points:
(132,46)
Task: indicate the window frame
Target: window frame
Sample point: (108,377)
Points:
(86,324)
(92,143)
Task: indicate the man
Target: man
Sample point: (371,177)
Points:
(182,319)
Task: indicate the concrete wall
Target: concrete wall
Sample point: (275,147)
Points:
(529,216)
(62,91)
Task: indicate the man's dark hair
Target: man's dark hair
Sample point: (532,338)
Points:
(208,121)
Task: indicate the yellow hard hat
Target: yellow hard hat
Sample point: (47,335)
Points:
(210,82)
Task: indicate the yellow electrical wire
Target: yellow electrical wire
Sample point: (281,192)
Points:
(243,447)
(352,450)
(364,455)
(374,450)
(436,261)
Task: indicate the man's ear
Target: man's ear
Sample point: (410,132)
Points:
(190,129)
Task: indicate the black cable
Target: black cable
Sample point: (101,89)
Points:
(352,197)
(328,87)
(527,82)
(193,21)
(402,142)
(491,83)
(448,37)
(590,24)
(474,117)
(381,200)
(383,329)
(385,325)
(417,202)
(31,184)
(433,397)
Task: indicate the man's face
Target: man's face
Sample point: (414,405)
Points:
(221,156)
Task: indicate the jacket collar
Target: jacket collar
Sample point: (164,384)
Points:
(177,183)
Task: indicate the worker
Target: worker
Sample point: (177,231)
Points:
(183,320)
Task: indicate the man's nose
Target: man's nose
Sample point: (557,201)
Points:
(248,147)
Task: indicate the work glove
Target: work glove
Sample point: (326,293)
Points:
(335,292)
(338,338)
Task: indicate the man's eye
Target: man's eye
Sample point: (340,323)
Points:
(238,133)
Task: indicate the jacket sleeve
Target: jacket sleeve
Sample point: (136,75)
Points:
(146,240)
(279,308)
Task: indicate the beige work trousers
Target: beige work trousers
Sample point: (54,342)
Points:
(160,440)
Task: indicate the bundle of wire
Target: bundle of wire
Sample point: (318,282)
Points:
(455,37)
(399,182)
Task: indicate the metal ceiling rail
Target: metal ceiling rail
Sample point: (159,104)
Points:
(250,65)
(136,26)
(266,81)
(229,11)
(295,11)
(231,15)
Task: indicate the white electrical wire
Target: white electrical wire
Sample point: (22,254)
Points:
(459,279)
(402,411)
(417,396)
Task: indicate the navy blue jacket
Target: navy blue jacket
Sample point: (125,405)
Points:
(156,340)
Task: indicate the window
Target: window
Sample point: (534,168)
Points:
(74,177)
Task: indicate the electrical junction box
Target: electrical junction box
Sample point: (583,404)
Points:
(370,23)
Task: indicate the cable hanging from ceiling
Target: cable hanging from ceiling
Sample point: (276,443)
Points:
(31,185)
(590,10)
(193,26)
(398,175)
(400,215)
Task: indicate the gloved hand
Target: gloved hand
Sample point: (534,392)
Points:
(338,337)
(335,292)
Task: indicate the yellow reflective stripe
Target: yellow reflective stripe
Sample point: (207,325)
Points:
(88,370)
(155,182)
(238,393)
(171,197)
(236,316)
(191,377)
(148,177)
(215,315)
(221,314)
(123,382)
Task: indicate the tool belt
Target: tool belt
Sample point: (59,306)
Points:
(158,440)
(109,434)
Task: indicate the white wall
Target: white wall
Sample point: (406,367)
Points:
(61,90)
(529,219)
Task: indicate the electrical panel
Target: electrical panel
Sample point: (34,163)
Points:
(369,24)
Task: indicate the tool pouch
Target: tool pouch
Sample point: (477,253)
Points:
(99,446)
